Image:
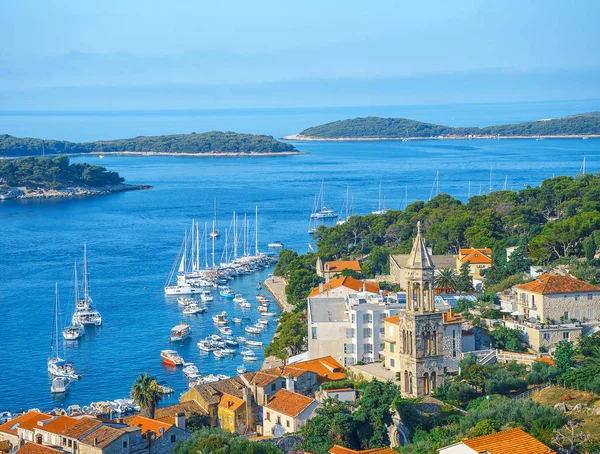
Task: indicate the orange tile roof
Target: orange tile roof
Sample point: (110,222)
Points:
(102,436)
(348,282)
(289,403)
(547,284)
(342,265)
(337,449)
(262,437)
(481,256)
(58,425)
(81,427)
(394,319)
(547,360)
(167,414)
(229,402)
(514,441)
(326,369)
(450,317)
(264,378)
(25,421)
(147,424)
(34,448)
(337,390)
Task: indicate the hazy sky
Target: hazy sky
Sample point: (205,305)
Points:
(60,43)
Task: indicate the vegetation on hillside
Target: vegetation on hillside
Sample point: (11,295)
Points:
(219,441)
(54,173)
(396,128)
(213,141)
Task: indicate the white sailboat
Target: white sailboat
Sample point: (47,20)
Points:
(85,314)
(215,232)
(75,330)
(381,209)
(345,207)
(57,366)
(324,212)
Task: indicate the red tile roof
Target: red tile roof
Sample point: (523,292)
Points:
(147,424)
(450,317)
(34,448)
(25,421)
(514,441)
(547,360)
(167,414)
(348,282)
(229,402)
(475,256)
(547,284)
(289,403)
(58,425)
(342,265)
(81,427)
(393,319)
(102,436)
(326,369)
(337,449)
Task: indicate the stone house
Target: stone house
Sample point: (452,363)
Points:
(478,259)
(71,437)
(452,339)
(330,270)
(162,437)
(21,427)
(35,448)
(286,412)
(552,298)
(264,383)
(232,413)
(113,439)
(49,431)
(545,337)
(170,412)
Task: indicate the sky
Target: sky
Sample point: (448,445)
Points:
(94,52)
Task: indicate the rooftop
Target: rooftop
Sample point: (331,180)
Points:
(345,281)
(419,255)
(211,392)
(394,319)
(34,448)
(289,403)
(167,414)
(327,310)
(514,441)
(450,317)
(337,449)
(230,402)
(81,427)
(150,425)
(547,284)
(475,256)
(326,369)
(102,436)
(439,261)
(4,446)
(342,265)
(57,425)
(26,421)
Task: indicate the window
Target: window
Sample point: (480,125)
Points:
(279,420)
(382,331)
(566,335)
(546,336)
(392,348)
(392,362)
(349,333)
(353,318)
(268,417)
(174,438)
(125,443)
(273,386)
(577,315)
(314,332)
(287,423)
(576,297)
(368,348)
(453,345)
(367,318)
(367,332)
(348,361)
(230,420)
(348,348)
(566,316)
(590,296)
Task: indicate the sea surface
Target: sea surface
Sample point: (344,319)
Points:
(133,238)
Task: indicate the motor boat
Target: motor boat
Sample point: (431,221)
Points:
(193,309)
(5,416)
(263,309)
(86,317)
(210,379)
(268,314)
(241,370)
(220,319)
(190,369)
(206,296)
(60,384)
(227,293)
(245,305)
(215,337)
(180,332)
(185,289)
(263,321)
(249,355)
(226,330)
(228,351)
(259,326)
(236,320)
(184,301)
(73,332)
(206,345)
(238,298)
(261,298)
(171,357)
(230,342)
(219,353)
(275,245)
(253,343)
(223,377)
(253,330)
(241,339)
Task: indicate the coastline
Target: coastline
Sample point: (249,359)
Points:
(301,138)
(22,193)
(210,154)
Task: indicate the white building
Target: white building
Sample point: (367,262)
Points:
(286,412)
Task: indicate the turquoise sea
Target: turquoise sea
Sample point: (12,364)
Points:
(134,237)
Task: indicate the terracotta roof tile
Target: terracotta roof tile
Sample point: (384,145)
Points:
(289,403)
(348,282)
(547,360)
(481,256)
(337,449)
(229,402)
(547,284)
(81,427)
(211,392)
(342,265)
(450,317)
(326,369)
(26,421)
(34,448)
(264,378)
(57,425)
(514,441)
(147,424)
(167,414)
(393,319)
(102,436)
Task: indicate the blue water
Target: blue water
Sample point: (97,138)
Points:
(133,237)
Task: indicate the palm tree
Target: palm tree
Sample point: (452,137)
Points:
(445,279)
(146,394)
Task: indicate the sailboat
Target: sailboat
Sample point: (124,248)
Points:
(85,314)
(75,330)
(181,287)
(324,212)
(57,366)
(381,209)
(346,206)
(214,233)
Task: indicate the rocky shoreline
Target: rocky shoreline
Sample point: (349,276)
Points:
(301,138)
(22,193)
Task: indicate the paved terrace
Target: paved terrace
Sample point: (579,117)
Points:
(276,287)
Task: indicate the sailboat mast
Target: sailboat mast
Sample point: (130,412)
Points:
(235,236)
(56,309)
(197,249)
(226,246)
(86,291)
(206,244)
(491,178)
(379,198)
(469,191)
(505,181)
(256,232)
(193,247)
(245,236)
(76,283)
(213,246)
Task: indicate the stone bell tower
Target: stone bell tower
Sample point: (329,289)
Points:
(420,349)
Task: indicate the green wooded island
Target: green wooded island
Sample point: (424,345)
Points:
(583,125)
(36,178)
(208,143)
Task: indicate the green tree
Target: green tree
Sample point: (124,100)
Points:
(485,427)
(445,279)
(218,441)
(378,262)
(289,336)
(510,339)
(564,355)
(146,394)
(589,247)
(464,282)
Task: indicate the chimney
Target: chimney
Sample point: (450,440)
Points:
(321,287)
(289,383)
(161,430)
(180,420)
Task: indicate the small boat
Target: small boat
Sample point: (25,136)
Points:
(227,293)
(236,320)
(226,330)
(190,370)
(5,416)
(259,326)
(206,345)
(241,339)
(230,342)
(275,245)
(60,384)
(228,351)
(215,337)
(219,353)
(185,289)
(171,357)
(58,366)
(73,332)
(249,355)
(210,379)
(241,370)
(238,298)
(253,330)
(276,320)
(263,309)
(245,305)
(223,377)
(206,296)
(164,388)
(180,332)
(194,309)
(262,299)
(254,343)
(269,314)
(220,319)
(184,301)
(219,344)
(263,321)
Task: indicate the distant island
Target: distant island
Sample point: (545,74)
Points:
(36,178)
(584,125)
(213,143)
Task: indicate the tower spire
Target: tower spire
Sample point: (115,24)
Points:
(419,257)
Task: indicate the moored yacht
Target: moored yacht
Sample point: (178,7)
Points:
(220,319)
(57,366)
(180,332)
(85,314)
(171,357)
(75,330)
(60,384)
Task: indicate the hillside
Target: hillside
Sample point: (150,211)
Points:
(214,142)
(586,124)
